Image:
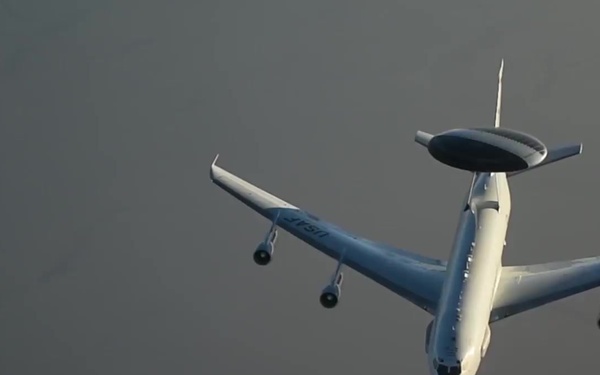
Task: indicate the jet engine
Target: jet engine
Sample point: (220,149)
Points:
(264,251)
(332,292)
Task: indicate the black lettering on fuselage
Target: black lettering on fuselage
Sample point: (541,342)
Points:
(307,226)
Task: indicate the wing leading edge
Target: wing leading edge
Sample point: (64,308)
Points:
(414,277)
(522,288)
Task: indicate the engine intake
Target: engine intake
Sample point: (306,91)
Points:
(331,294)
(264,251)
(263,254)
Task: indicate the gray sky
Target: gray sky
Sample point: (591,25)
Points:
(118,256)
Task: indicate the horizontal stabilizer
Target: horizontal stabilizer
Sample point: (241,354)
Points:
(554,154)
(423,138)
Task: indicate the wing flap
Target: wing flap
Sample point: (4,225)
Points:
(414,277)
(523,288)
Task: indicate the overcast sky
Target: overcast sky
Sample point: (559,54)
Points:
(118,255)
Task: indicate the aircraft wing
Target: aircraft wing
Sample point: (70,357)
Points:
(414,277)
(522,288)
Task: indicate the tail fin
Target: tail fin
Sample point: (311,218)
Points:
(499,99)
(554,154)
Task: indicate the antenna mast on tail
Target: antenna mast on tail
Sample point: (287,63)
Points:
(499,99)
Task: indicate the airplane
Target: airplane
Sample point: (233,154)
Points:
(472,289)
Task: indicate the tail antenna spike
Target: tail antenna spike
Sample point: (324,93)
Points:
(499,99)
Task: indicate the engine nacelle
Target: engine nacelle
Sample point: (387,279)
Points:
(264,253)
(486,341)
(264,250)
(332,293)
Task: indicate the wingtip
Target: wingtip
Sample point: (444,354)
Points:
(501,68)
(212,165)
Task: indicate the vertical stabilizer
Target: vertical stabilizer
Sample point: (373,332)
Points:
(499,99)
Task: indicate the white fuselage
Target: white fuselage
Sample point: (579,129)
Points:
(460,331)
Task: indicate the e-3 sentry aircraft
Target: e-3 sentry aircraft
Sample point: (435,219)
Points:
(472,289)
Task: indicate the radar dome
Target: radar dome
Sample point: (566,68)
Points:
(487,149)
